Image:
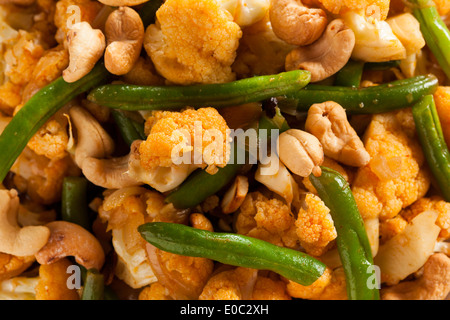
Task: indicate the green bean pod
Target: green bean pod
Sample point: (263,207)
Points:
(135,97)
(130,129)
(350,75)
(352,241)
(233,249)
(434,31)
(382,98)
(36,111)
(94,286)
(74,206)
(435,149)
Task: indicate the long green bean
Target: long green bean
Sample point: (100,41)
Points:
(233,249)
(74,206)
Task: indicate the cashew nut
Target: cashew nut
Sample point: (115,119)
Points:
(92,140)
(17,2)
(15,240)
(434,284)
(235,195)
(118,3)
(328,122)
(300,152)
(86,46)
(69,239)
(124,34)
(327,55)
(93,147)
(296,24)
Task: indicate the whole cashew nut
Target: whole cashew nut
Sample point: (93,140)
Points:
(69,239)
(124,34)
(300,152)
(86,47)
(15,240)
(327,55)
(296,24)
(328,122)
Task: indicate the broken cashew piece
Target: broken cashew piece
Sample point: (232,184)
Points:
(328,122)
(86,46)
(296,24)
(68,239)
(17,2)
(327,55)
(235,195)
(300,152)
(124,34)
(15,240)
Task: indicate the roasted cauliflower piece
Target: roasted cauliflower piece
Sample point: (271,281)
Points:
(313,291)
(442,100)
(172,136)
(397,174)
(315,227)
(270,288)
(11,266)
(369,7)
(155,291)
(53,279)
(193,42)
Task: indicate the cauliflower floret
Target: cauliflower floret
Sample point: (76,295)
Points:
(11,266)
(234,284)
(260,51)
(178,133)
(40,177)
(19,288)
(267,288)
(391,227)
(435,203)
(123,217)
(156,291)
(193,41)
(397,175)
(246,12)
(315,227)
(313,291)
(442,101)
(53,280)
(267,219)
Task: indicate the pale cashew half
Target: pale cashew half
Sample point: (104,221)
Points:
(118,3)
(296,24)
(327,55)
(328,122)
(434,284)
(235,195)
(86,46)
(68,239)
(300,152)
(124,34)
(15,240)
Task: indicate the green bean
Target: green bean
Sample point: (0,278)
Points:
(352,241)
(135,98)
(200,184)
(434,31)
(36,111)
(233,249)
(381,66)
(382,98)
(94,286)
(435,149)
(350,75)
(74,206)
(130,129)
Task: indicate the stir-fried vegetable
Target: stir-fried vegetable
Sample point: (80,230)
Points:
(233,249)
(382,98)
(74,206)
(433,144)
(94,286)
(133,97)
(353,244)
